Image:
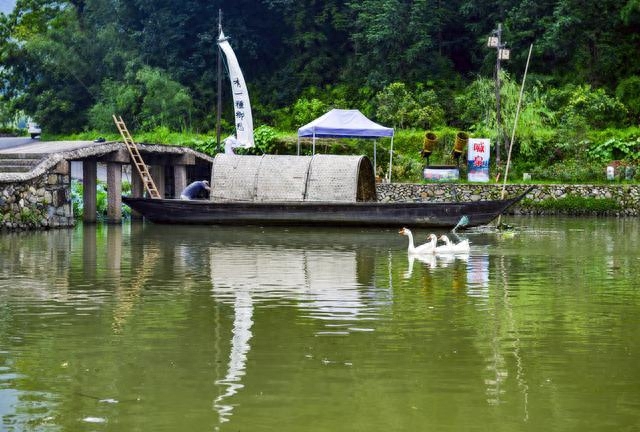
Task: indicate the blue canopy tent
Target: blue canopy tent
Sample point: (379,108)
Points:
(339,123)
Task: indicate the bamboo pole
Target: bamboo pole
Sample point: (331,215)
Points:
(515,124)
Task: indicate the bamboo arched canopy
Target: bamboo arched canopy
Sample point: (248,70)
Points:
(281,178)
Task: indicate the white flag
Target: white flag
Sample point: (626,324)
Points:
(241,104)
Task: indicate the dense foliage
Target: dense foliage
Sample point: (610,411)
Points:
(415,65)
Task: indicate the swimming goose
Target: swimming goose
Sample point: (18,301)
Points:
(450,247)
(422,249)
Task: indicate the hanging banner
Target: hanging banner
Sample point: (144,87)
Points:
(241,104)
(478,159)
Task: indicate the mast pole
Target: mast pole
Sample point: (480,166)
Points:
(498,114)
(219,75)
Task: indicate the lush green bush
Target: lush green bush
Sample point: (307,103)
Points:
(264,137)
(592,108)
(306,110)
(31,216)
(165,102)
(116,98)
(569,171)
(400,107)
(476,105)
(615,144)
(560,135)
(628,92)
(9,131)
(77,203)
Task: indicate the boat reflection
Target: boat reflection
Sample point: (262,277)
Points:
(322,282)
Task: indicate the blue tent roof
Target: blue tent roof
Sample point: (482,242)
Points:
(344,123)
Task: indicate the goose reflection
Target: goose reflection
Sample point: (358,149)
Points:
(434,260)
(322,282)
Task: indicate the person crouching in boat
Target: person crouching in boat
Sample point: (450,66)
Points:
(195,189)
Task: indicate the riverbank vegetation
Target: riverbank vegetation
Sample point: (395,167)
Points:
(416,66)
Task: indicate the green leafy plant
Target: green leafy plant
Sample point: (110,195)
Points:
(264,137)
(77,203)
(614,149)
(593,106)
(399,107)
(569,171)
(628,92)
(30,216)
(165,103)
(306,110)
(77,190)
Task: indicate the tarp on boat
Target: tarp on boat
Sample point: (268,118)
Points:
(277,178)
(341,123)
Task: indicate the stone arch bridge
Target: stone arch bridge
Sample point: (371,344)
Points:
(35,178)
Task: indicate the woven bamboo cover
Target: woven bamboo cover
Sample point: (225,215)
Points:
(333,178)
(233,178)
(292,178)
(282,178)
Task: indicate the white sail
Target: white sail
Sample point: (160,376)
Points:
(241,104)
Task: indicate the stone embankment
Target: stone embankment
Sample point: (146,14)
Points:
(625,198)
(44,201)
(41,202)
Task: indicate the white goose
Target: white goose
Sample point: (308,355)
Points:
(426,248)
(450,247)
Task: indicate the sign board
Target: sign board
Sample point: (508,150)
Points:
(478,159)
(441,173)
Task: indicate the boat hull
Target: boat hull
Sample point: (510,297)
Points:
(418,214)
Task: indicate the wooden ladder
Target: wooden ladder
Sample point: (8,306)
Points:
(147,180)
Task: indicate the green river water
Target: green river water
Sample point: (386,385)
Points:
(164,328)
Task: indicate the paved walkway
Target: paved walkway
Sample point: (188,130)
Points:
(31,146)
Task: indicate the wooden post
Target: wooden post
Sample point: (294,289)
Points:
(114,193)
(157,173)
(89,193)
(137,191)
(179,179)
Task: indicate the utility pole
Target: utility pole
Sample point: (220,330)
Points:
(495,41)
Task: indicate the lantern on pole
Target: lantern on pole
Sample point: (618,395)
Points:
(502,53)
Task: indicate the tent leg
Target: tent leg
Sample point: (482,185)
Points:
(374,159)
(390,160)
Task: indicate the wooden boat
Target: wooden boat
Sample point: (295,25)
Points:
(324,190)
(340,214)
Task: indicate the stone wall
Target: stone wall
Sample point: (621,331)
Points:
(626,196)
(41,202)
(44,201)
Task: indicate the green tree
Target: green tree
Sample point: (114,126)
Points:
(628,92)
(164,101)
(402,108)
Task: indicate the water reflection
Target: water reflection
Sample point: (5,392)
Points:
(433,261)
(308,278)
(243,311)
(159,327)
